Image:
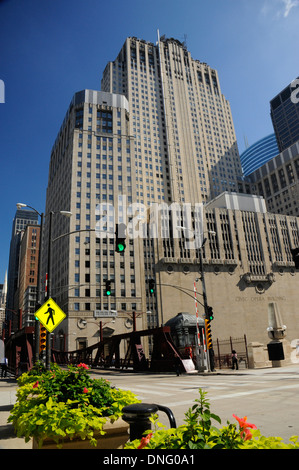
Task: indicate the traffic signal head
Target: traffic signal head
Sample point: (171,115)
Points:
(295,256)
(120,238)
(108,288)
(152,285)
(210,313)
(42,339)
(208,334)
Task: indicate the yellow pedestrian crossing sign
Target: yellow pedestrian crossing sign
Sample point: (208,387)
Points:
(50,315)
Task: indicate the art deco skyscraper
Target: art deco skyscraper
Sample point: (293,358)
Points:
(91,176)
(160,131)
(185,143)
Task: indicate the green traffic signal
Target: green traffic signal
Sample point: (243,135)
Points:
(152,284)
(120,243)
(108,288)
(210,315)
(120,247)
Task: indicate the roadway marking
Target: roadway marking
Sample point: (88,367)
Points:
(239,394)
(143,390)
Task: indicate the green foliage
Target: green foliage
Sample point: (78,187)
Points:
(261,442)
(200,433)
(64,403)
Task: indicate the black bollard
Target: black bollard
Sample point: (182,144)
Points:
(138,417)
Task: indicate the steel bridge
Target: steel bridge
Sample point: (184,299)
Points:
(20,352)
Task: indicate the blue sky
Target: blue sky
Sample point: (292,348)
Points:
(50,49)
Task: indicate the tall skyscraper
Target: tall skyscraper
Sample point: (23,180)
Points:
(92,175)
(160,132)
(284,112)
(23,217)
(185,146)
(259,153)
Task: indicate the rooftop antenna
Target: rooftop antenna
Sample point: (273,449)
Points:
(185,40)
(246,142)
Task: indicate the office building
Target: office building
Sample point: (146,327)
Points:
(3,294)
(284,112)
(185,146)
(92,175)
(278,182)
(247,264)
(160,131)
(28,274)
(22,218)
(259,153)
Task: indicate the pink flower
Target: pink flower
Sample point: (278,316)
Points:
(245,433)
(85,390)
(145,441)
(84,366)
(35,385)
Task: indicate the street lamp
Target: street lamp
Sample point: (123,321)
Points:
(49,280)
(20,205)
(210,357)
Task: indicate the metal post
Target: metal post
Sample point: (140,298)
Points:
(48,295)
(38,289)
(197,331)
(204,295)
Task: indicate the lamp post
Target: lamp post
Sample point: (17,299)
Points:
(210,356)
(21,205)
(49,273)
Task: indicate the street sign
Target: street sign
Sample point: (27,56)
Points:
(50,315)
(104,313)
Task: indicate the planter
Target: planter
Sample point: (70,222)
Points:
(115,438)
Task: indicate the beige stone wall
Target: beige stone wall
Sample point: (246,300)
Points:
(238,308)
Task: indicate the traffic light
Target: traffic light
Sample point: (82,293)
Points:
(42,339)
(120,238)
(108,288)
(208,334)
(295,256)
(152,285)
(210,313)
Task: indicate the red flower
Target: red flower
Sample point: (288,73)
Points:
(245,433)
(145,441)
(35,385)
(84,366)
(85,390)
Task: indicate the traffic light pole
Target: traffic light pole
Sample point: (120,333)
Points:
(210,352)
(48,294)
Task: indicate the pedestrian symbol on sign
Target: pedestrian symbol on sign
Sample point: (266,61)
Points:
(51,312)
(50,315)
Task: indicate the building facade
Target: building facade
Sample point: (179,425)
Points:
(278,182)
(284,111)
(181,122)
(22,218)
(28,274)
(259,153)
(148,151)
(92,175)
(247,264)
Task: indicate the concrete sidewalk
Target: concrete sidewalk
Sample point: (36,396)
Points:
(8,439)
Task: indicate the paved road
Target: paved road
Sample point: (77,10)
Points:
(268,397)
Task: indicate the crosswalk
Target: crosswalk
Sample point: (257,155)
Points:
(170,389)
(183,389)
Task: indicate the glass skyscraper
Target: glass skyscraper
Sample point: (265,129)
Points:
(258,154)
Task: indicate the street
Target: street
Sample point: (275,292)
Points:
(268,397)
